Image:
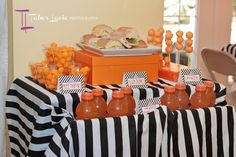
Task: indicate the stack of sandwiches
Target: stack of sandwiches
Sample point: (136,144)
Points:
(104,37)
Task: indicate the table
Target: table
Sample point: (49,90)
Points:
(41,123)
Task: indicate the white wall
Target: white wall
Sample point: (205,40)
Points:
(27,46)
(214,27)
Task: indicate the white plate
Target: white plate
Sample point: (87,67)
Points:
(120,52)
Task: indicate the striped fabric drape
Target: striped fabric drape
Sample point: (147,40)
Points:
(41,123)
(31,125)
(204,132)
(133,136)
(230,48)
(191,133)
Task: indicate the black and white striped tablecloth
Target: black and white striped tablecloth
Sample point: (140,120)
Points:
(132,136)
(186,133)
(31,123)
(208,132)
(36,115)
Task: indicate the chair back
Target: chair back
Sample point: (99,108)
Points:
(219,61)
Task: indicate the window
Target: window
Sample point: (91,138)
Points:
(233,26)
(180,15)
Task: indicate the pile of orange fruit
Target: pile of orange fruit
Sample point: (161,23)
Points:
(59,61)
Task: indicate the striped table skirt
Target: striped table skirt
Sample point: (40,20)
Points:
(41,123)
(230,48)
(191,133)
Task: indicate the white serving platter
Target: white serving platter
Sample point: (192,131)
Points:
(120,52)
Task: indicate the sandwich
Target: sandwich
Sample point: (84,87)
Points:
(121,38)
(102,31)
(129,34)
(141,44)
(86,38)
(109,44)
(90,40)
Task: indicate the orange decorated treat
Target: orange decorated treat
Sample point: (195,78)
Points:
(151,32)
(189,42)
(168,32)
(150,39)
(59,61)
(40,66)
(158,40)
(180,40)
(162,30)
(157,33)
(61,56)
(33,71)
(179,33)
(189,35)
(169,49)
(155,36)
(51,78)
(169,42)
(189,49)
(179,46)
(169,35)
(159,45)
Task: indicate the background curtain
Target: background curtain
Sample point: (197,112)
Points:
(213,28)
(3,72)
